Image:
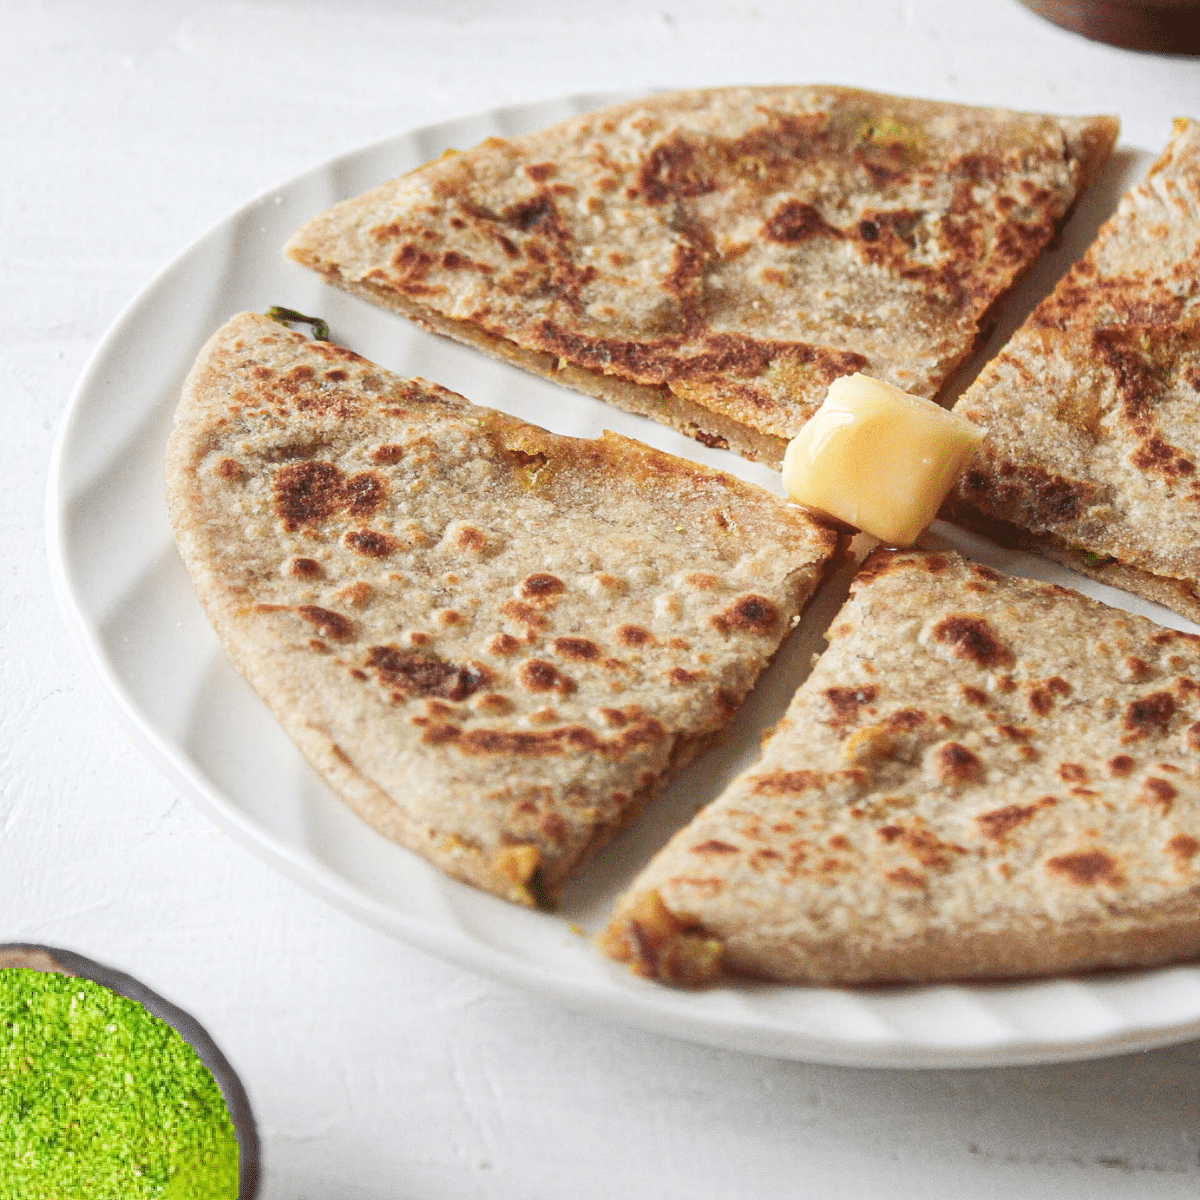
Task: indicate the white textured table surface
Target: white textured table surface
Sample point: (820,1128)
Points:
(376,1071)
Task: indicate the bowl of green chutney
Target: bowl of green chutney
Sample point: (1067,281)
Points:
(107,1090)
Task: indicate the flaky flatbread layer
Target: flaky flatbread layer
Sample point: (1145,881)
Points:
(714,259)
(492,641)
(1091,409)
(984,777)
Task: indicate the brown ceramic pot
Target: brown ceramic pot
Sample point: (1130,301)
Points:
(1162,26)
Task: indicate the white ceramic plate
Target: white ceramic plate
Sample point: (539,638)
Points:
(127,597)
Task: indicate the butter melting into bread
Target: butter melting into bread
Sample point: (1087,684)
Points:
(493,642)
(714,259)
(1092,408)
(983,777)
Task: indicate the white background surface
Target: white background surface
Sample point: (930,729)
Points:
(376,1071)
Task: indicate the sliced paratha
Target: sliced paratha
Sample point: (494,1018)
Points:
(713,259)
(492,641)
(1093,407)
(983,777)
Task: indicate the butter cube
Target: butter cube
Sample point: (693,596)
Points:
(878,459)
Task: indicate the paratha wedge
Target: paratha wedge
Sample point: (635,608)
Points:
(984,777)
(1092,408)
(713,259)
(493,642)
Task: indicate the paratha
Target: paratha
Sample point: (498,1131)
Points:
(493,642)
(713,259)
(984,777)
(1091,409)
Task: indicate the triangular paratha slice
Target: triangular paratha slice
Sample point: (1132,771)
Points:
(983,777)
(492,641)
(713,259)
(1093,407)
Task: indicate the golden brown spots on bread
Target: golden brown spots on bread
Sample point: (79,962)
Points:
(786,783)
(973,695)
(328,624)
(1042,696)
(357,594)
(448,617)
(748,614)
(362,494)
(701,582)
(469,539)
(565,739)
(795,221)
(1120,766)
(846,702)
(439,733)
(387,454)
(1192,736)
(538,675)
(417,638)
(310,492)
(305,568)
(1015,733)
(998,823)
(973,639)
(714,846)
(610,583)
(955,764)
(1072,772)
(931,851)
(503,644)
(1183,848)
(878,563)
(543,716)
(231,470)
(903,877)
(370,543)
(905,719)
(1158,793)
(491,704)
(523,614)
(1087,868)
(541,588)
(679,677)
(1136,668)
(1149,715)
(577,649)
(413,674)
(633,635)
(306,492)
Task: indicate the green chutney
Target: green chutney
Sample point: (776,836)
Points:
(99,1099)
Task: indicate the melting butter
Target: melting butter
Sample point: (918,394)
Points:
(878,458)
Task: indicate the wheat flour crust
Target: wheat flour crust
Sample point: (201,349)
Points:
(714,259)
(492,641)
(983,778)
(1091,408)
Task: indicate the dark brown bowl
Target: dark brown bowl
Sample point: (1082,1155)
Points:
(1161,26)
